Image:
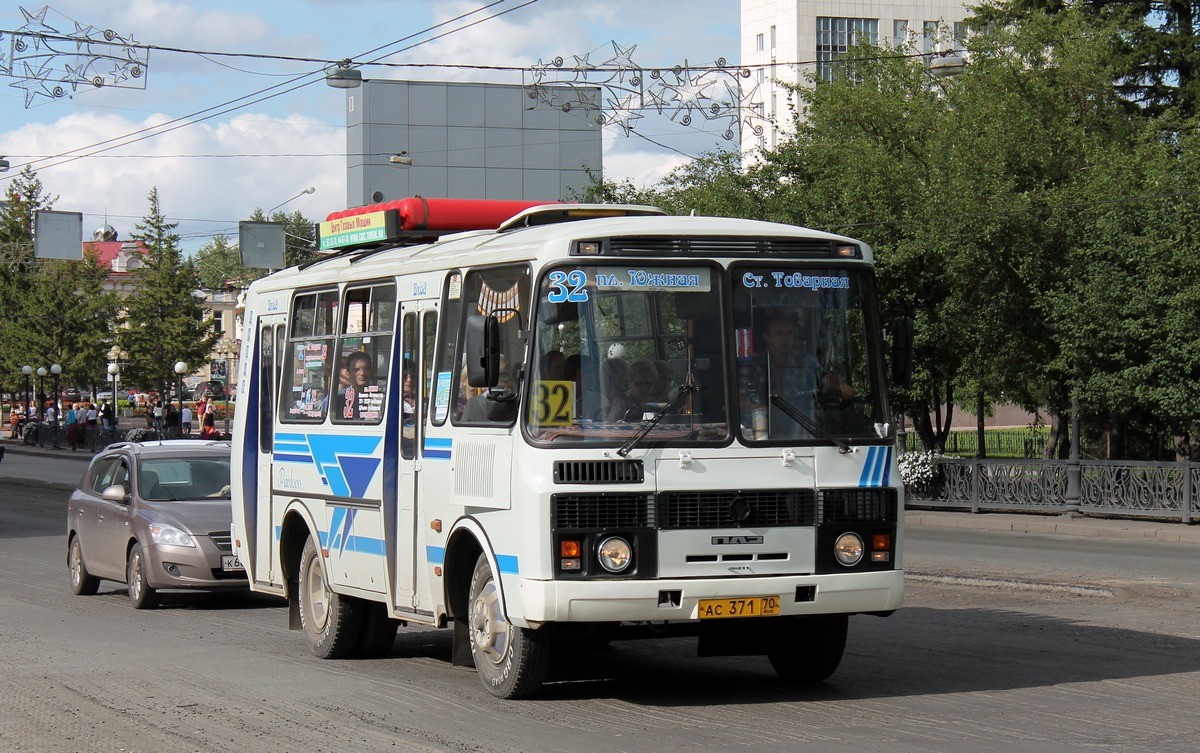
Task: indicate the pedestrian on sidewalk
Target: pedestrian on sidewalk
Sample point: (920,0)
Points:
(185,420)
(72,424)
(15,421)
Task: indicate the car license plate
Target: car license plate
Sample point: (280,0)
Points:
(230,562)
(750,606)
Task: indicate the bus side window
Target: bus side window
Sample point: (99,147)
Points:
(304,396)
(446,371)
(266,389)
(502,292)
(365,349)
(408,387)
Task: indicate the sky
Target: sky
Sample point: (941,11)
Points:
(222,135)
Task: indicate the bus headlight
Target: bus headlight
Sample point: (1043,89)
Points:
(615,554)
(848,549)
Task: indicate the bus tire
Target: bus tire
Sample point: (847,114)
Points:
(511,661)
(83,583)
(378,631)
(807,650)
(331,622)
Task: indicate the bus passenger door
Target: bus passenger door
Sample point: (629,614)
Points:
(270,343)
(416,318)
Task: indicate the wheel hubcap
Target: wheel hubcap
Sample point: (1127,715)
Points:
(76,563)
(489,629)
(135,575)
(318,595)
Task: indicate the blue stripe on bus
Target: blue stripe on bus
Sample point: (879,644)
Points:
(293,458)
(438,448)
(300,447)
(877,467)
(507,563)
(281,437)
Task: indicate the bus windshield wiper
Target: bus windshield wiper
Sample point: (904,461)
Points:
(685,389)
(809,424)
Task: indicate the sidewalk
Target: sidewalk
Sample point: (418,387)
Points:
(1056,525)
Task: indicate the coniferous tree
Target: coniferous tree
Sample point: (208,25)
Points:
(24,196)
(164,321)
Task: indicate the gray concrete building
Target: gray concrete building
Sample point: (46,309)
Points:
(464,140)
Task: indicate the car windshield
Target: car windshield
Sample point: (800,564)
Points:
(178,478)
(618,343)
(804,354)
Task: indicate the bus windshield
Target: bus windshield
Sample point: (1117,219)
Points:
(805,354)
(617,344)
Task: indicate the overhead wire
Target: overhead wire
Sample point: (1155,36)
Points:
(192,119)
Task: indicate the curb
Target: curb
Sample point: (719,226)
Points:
(37,483)
(1095,528)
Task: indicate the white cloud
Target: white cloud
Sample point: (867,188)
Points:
(219,191)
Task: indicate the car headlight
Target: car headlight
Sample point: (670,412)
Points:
(615,554)
(170,536)
(848,549)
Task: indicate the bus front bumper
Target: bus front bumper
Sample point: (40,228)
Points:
(679,600)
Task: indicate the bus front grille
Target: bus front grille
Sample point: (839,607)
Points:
(841,506)
(757,508)
(737,509)
(602,511)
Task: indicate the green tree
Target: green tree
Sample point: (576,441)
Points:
(164,322)
(219,261)
(299,235)
(1156,62)
(24,196)
(66,317)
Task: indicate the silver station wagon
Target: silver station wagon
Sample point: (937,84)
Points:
(155,516)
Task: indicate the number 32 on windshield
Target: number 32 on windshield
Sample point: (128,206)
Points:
(553,403)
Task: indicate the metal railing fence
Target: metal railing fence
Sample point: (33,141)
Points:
(1107,487)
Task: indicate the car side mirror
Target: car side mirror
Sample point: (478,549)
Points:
(116,493)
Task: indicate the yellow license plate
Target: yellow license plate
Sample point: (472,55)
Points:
(750,606)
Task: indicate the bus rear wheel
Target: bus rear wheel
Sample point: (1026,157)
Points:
(331,622)
(511,661)
(807,650)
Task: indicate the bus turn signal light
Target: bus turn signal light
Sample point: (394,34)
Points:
(881,542)
(569,548)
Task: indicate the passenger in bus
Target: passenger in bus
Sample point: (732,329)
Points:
(786,366)
(614,389)
(362,381)
(554,366)
(643,377)
(494,406)
(662,385)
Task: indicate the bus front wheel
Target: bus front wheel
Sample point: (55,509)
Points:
(331,622)
(511,661)
(807,650)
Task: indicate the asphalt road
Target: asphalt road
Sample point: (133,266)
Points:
(1006,643)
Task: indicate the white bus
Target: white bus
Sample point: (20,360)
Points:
(581,424)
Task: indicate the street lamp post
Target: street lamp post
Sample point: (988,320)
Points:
(26,370)
(56,370)
(180,369)
(41,407)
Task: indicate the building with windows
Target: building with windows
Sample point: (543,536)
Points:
(790,42)
(120,258)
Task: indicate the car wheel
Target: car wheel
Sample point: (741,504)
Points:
(141,593)
(378,631)
(511,661)
(331,622)
(83,583)
(807,650)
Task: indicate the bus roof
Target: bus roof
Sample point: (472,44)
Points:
(516,241)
